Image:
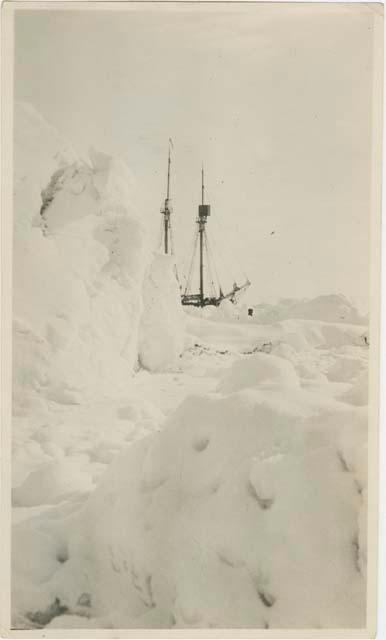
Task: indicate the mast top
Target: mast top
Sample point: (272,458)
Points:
(168,184)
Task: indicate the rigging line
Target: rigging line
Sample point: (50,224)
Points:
(191,263)
(241,266)
(224,236)
(171,239)
(209,265)
(161,235)
(214,264)
(175,268)
(219,253)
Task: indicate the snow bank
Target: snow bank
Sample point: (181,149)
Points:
(302,334)
(327,308)
(51,483)
(357,394)
(261,370)
(239,513)
(227,311)
(81,254)
(346,369)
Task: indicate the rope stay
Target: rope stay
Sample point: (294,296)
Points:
(223,234)
(190,272)
(220,254)
(211,281)
(214,264)
(161,242)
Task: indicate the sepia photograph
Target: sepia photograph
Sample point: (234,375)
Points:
(194,226)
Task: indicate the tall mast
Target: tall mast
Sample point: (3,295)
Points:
(168,188)
(198,299)
(167,210)
(201,226)
(203,213)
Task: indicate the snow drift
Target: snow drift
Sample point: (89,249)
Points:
(248,508)
(223,519)
(267,371)
(328,308)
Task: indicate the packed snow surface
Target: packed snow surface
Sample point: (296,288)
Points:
(172,468)
(331,308)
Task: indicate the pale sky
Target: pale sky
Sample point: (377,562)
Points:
(274,99)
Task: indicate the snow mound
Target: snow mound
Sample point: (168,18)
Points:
(334,335)
(357,394)
(224,519)
(345,369)
(327,308)
(226,311)
(261,370)
(51,483)
(297,340)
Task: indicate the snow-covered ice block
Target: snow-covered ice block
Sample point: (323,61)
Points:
(161,338)
(259,370)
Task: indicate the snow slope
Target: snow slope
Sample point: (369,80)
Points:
(330,308)
(222,520)
(171,469)
(225,516)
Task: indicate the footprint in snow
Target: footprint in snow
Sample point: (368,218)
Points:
(266,598)
(200,444)
(264,503)
(84,600)
(229,559)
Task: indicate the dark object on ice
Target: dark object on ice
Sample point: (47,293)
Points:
(199,349)
(250,311)
(265,347)
(216,296)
